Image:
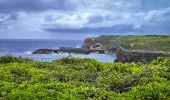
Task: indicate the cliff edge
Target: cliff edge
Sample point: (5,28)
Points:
(128,56)
(132,48)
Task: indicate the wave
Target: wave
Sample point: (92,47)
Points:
(28,52)
(78,46)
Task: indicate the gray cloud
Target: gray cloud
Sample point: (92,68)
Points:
(6,19)
(72,5)
(7,6)
(96,19)
(154,4)
(101,30)
(29,17)
(117,29)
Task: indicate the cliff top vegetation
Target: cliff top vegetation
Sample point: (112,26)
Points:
(136,42)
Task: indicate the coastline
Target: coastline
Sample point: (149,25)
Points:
(133,48)
(85,78)
(124,54)
(24,48)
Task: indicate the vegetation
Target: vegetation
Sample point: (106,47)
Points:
(83,79)
(132,42)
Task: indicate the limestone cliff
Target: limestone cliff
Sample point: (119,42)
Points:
(91,44)
(132,48)
(128,56)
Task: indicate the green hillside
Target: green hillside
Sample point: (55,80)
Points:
(131,42)
(83,79)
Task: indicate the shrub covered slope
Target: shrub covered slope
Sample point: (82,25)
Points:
(83,79)
(132,42)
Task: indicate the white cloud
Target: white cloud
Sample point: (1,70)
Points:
(65,20)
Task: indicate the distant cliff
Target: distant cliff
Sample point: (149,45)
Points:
(127,48)
(128,56)
(132,42)
(132,48)
(91,43)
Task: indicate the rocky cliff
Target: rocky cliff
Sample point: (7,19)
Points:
(128,56)
(132,48)
(92,44)
(127,48)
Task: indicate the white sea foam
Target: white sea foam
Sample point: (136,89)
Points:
(28,52)
(78,46)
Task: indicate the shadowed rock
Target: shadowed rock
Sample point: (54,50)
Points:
(127,56)
(67,50)
(43,51)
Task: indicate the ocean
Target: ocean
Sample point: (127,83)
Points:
(24,47)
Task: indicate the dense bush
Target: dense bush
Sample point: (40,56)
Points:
(83,79)
(10,59)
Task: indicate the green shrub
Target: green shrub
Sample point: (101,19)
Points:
(11,59)
(83,79)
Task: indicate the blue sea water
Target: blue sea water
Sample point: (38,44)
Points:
(24,47)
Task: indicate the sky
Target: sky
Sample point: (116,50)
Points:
(78,19)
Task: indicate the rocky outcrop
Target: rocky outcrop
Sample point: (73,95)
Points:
(43,51)
(122,55)
(91,44)
(79,50)
(96,44)
(68,50)
(127,56)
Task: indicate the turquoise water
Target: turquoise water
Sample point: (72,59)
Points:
(24,48)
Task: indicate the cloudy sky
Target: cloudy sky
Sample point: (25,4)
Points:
(77,19)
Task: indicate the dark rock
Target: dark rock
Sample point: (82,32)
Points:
(68,50)
(128,56)
(88,43)
(113,49)
(73,50)
(43,51)
(79,50)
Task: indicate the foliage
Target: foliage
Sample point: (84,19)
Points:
(10,59)
(83,79)
(132,42)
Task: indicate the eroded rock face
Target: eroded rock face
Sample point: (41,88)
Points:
(88,43)
(127,56)
(91,44)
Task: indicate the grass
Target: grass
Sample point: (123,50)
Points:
(132,42)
